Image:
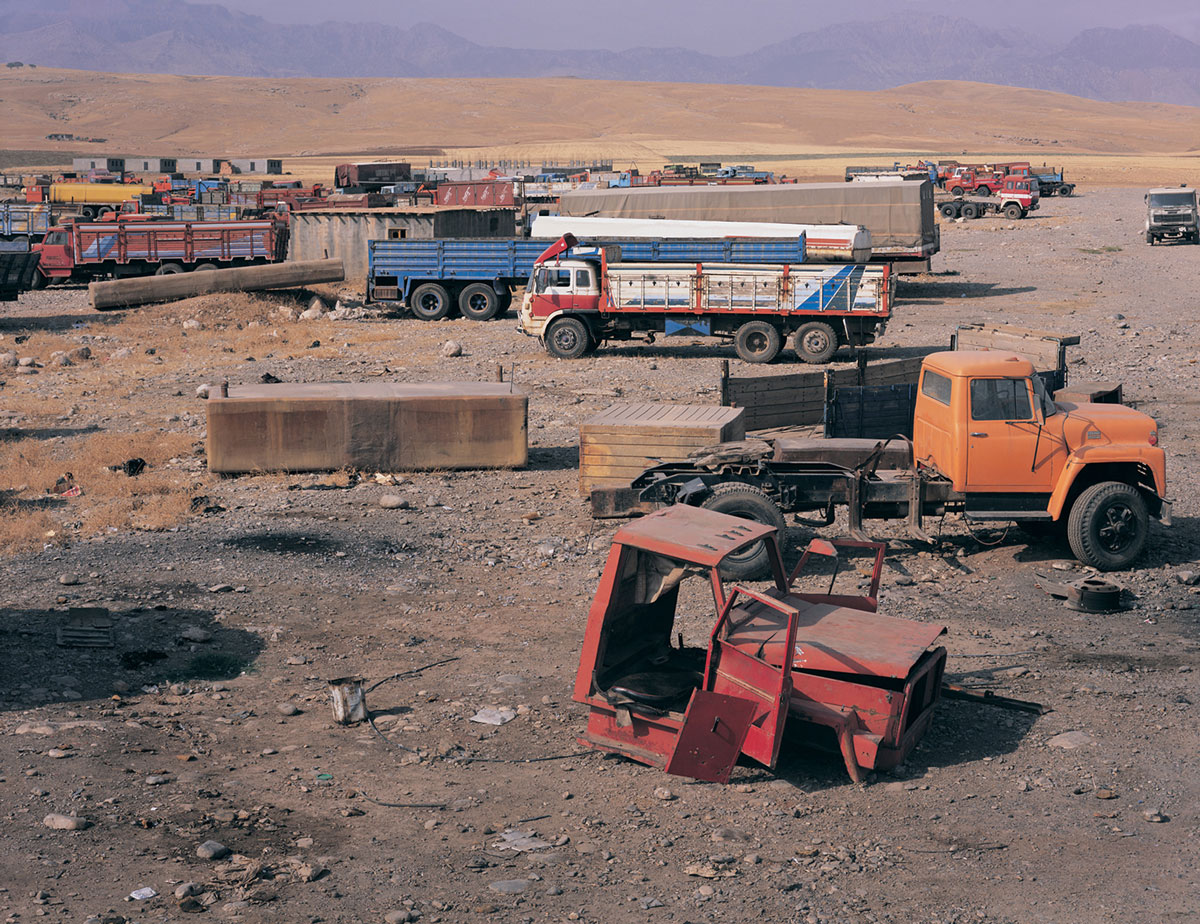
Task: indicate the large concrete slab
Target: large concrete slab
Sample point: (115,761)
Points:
(377,426)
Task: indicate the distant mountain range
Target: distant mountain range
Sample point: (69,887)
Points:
(1147,63)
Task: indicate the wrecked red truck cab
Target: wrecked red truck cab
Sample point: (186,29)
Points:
(822,659)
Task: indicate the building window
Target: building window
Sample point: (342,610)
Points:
(252,166)
(397,234)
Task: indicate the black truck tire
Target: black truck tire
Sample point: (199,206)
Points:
(568,338)
(479,302)
(1066,189)
(758,342)
(815,342)
(738,499)
(430,302)
(1012,211)
(203,267)
(970,210)
(1149,238)
(1108,525)
(948,210)
(956,190)
(168,269)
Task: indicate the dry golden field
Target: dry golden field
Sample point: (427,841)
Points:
(808,133)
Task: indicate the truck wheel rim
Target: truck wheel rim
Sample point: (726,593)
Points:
(756,343)
(477,303)
(565,339)
(1118,528)
(815,342)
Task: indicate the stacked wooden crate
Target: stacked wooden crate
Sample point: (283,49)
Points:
(618,444)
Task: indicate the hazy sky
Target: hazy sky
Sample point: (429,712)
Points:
(714,26)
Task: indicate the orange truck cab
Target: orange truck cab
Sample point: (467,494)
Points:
(988,442)
(985,423)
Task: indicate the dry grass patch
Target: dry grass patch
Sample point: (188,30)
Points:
(158,498)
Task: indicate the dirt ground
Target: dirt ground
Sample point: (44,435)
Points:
(209,719)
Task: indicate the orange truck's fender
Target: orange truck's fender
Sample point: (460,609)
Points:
(1081,458)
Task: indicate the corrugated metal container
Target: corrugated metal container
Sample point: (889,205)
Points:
(343,233)
(484,195)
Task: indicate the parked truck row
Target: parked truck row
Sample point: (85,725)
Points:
(477,276)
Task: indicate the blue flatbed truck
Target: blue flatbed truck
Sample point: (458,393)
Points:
(476,276)
(22,225)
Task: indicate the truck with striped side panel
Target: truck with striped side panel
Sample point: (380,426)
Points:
(576,300)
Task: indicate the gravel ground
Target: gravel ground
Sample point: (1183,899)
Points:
(209,719)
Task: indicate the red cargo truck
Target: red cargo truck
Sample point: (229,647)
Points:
(159,248)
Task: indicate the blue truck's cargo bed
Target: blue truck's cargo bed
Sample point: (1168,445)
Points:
(397,267)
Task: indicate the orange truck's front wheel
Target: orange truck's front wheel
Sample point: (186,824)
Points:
(1108,525)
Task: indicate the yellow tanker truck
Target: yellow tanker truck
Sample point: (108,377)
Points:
(92,199)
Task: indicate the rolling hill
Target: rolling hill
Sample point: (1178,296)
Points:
(176,37)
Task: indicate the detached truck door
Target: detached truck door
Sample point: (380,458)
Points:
(1003,435)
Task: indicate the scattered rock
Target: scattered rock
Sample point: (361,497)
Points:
(664,794)
(295,660)
(1154,816)
(310,872)
(65,822)
(202,391)
(287,709)
(393,502)
(80,354)
(1070,740)
(221,589)
(452,348)
(490,716)
(69,579)
(195,634)
(157,779)
(401,916)
(509,886)
(191,324)
(186,889)
(1189,578)
(1105,794)
(212,850)
(8,360)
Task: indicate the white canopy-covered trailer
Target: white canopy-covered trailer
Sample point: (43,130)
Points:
(824,243)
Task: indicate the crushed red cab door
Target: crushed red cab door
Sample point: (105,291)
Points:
(714,730)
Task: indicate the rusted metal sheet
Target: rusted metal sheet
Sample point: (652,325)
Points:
(710,742)
(691,534)
(480,194)
(846,452)
(371,426)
